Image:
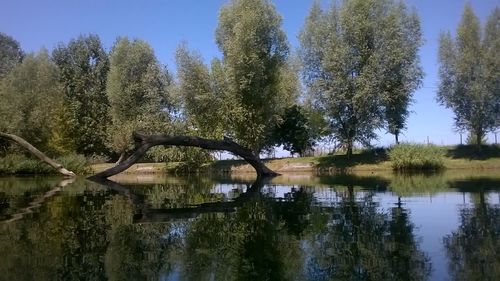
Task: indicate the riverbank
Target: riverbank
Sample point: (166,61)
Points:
(457,158)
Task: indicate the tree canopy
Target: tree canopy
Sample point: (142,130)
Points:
(469,74)
(138,94)
(83,64)
(11,54)
(357,81)
(255,52)
(31,95)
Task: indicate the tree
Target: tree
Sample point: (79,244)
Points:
(31,96)
(83,65)
(205,101)
(11,54)
(255,65)
(352,76)
(468,71)
(294,131)
(137,90)
(402,72)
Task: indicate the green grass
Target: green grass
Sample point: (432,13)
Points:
(407,157)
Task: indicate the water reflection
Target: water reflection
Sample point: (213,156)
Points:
(311,228)
(473,248)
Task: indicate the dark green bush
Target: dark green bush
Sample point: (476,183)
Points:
(416,157)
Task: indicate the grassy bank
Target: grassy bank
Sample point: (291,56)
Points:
(459,157)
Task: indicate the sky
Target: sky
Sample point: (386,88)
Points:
(165,24)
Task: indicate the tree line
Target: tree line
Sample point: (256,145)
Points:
(355,72)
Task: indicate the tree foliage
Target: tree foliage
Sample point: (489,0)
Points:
(357,81)
(11,53)
(83,65)
(294,132)
(469,74)
(31,95)
(255,65)
(206,103)
(137,89)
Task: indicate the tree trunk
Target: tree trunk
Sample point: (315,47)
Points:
(396,135)
(145,142)
(37,153)
(479,138)
(349,149)
(122,158)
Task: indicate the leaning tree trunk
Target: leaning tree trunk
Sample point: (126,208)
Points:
(37,153)
(144,142)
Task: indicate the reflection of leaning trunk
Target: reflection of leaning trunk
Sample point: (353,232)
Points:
(147,214)
(38,201)
(37,153)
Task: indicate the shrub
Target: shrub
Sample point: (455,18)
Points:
(76,163)
(416,157)
(19,164)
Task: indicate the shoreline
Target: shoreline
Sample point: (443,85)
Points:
(294,165)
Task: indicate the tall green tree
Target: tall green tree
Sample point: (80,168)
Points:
(11,53)
(401,70)
(137,89)
(353,77)
(255,52)
(206,104)
(31,95)
(83,65)
(469,74)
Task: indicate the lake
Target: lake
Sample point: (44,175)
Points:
(296,227)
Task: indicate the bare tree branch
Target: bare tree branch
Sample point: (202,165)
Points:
(40,155)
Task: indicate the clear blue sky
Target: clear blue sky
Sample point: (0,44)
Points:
(164,24)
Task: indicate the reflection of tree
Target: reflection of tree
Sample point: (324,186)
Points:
(362,243)
(65,241)
(473,249)
(259,241)
(86,232)
(83,233)
(18,192)
(406,261)
(250,244)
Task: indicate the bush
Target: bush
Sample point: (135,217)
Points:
(416,157)
(76,163)
(19,164)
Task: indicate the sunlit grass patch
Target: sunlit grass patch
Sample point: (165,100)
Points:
(409,156)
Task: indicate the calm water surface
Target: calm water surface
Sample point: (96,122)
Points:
(300,227)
